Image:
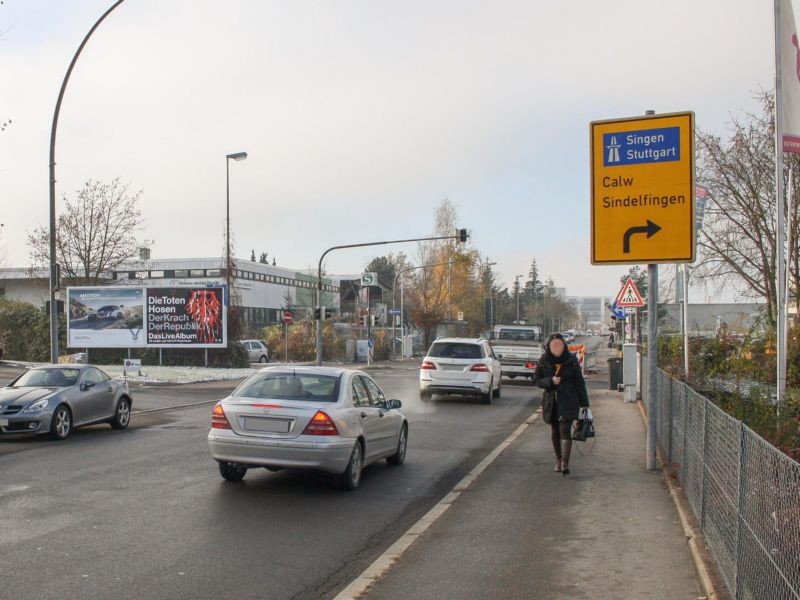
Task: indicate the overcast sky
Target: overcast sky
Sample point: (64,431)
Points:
(358,117)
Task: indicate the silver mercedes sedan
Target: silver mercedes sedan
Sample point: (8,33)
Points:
(324,418)
(54,399)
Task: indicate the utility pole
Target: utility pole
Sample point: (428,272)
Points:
(516,288)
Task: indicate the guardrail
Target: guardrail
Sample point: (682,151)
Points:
(744,492)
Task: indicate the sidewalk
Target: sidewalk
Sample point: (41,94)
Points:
(608,530)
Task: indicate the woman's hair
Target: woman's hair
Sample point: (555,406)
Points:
(555,336)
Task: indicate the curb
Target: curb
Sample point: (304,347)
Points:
(692,535)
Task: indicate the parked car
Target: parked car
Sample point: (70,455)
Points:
(54,399)
(323,418)
(256,351)
(460,366)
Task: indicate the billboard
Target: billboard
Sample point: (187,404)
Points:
(134,317)
(105,317)
(186,316)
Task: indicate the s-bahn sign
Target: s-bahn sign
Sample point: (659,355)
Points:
(643,190)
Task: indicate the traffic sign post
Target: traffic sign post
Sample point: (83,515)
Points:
(643,211)
(288,318)
(643,190)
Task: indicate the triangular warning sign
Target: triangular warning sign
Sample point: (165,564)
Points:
(629,295)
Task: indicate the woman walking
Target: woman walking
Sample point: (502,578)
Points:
(559,374)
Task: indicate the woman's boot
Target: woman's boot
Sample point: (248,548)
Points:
(556,439)
(566,448)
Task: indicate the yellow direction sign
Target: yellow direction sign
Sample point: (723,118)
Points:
(643,190)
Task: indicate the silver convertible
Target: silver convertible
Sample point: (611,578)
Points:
(56,398)
(324,418)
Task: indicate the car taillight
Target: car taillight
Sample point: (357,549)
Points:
(426,364)
(218,418)
(480,367)
(321,424)
(530,365)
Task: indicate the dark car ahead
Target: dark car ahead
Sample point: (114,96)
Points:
(54,399)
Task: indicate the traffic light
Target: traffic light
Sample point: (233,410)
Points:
(462,235)
(317,314)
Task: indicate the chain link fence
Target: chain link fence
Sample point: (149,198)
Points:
(744,492)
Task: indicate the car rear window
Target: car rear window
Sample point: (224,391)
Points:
(519,335)
(48,378)
(290,386)
(455,350)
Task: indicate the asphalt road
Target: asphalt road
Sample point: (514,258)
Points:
(143,513)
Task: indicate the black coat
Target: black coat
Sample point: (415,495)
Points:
(569,395)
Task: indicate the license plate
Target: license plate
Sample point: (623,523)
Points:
(266,425)
(452,367)
(3,422)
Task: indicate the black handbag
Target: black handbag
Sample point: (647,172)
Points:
(584,426)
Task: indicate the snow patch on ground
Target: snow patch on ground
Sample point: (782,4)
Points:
(155,374)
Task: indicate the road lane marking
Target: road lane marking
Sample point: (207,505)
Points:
(361,584)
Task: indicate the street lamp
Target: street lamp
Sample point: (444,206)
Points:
(52,184)
(516,286)
(237,156)
(487,266)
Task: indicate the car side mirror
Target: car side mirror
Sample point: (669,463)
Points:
(86,385)
(394,404)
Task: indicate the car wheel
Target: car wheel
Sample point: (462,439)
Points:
(61,423)
(351,477)
(496,393)
(425,396)
(263,359)
(399,457)
(487,397)
(122,416)
(231,472)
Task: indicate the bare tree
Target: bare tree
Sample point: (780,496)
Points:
(95,232)
(737,242)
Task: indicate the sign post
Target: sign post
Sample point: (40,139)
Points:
(643,211)
(288,317)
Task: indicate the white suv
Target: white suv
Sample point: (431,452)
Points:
(460,366)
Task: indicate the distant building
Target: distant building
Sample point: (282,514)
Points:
(264,290)
(709,320)
(593,310)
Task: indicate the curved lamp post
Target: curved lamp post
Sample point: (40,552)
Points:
(53,129)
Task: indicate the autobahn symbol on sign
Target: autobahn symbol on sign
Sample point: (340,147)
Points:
(643,202)
(629,296)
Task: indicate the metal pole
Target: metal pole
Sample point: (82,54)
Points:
(652,363)
(789,244)
(394,317)
(516,289)
(686,321)
(228,226)
(402,320)
(53,130)
(206,356)
(780,233)
(369,313)
(286,349)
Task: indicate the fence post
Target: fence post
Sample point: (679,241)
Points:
(683,458)
(703,472)
(669,422)
(737,592)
